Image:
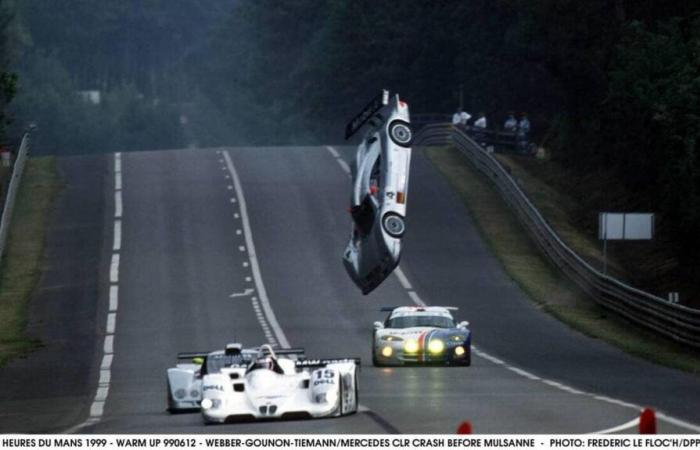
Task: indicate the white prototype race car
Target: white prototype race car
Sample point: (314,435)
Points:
(256,384)
(379,191)
(421,335)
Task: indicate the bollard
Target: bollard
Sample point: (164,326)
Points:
(647,422)
(464,428)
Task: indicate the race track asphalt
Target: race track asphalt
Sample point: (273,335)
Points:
(185,250)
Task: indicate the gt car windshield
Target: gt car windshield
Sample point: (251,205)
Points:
(420,321)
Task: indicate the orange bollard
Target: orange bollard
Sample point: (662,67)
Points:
(464,428)
(647,421)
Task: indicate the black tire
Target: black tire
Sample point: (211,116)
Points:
(400,133)
(394,224)
(169,399)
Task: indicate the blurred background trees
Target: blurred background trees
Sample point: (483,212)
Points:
(611,86)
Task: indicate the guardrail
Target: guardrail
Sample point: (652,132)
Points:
(15,179)
(672,320)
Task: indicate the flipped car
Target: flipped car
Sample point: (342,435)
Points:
(420,335)
(278,384)
(379,190)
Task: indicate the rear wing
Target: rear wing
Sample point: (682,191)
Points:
(316,363)
(391,308)
(387,308)
(377,103)
(299,351)
(192,355)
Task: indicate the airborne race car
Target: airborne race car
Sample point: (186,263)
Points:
(420,335)
(379,191)
(246,384)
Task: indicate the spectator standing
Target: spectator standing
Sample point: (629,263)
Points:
(523,134)
(457,117)
(479,129)
(481,121)
(511,124)
(464,118)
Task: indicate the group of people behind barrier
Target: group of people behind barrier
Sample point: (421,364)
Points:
(515,132)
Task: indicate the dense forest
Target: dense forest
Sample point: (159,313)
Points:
(612,86)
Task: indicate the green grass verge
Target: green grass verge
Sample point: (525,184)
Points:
(23,258)
(538,278)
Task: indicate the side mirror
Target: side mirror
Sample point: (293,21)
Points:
(463,324)
(199,361)
(378,325)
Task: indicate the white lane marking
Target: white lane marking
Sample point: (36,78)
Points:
(106,362)
(105,376)
(114,268)
(241,248)
(252,255)
(96,410)
(245,264)
(677,422)
(632,423)
(117,245)
(108,348)
(238,232)
(118,204)
(248,279)
(233,200)
(418,301)
(229,187)
(111,322)
(245,293)
(333,151)
(402,278)
(113,298)
(227,176)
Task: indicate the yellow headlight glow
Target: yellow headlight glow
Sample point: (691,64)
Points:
(387,351)
(411,346)
(459,350)
(436,346)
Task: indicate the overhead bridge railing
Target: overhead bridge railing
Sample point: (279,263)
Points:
(670,319)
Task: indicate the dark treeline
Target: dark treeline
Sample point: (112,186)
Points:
(130,51)
(612,86)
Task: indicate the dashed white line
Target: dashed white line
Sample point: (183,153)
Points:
(241,248)
(106,361)
(118,204)
(416,299)
(238,232)
(111,322)
(252,256)
(113,298)
(402,278)
(114,268)
(109,344)
(117,245)
(105,377)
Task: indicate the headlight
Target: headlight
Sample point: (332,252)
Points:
(392,338)
(459,350)
(387,351)
(210,403)
(458,338)
(411,346)
(436,346)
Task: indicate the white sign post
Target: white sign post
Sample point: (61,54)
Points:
(623,227)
